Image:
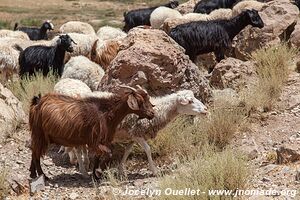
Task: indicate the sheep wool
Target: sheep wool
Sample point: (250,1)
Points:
(109,33)
(81,68)
(160,14)
(83,45)
(248,4)
(222,13)
(9,63)
(13,34)
(72,87)
(77,27)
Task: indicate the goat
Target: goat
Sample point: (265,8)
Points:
(42,58)
(133,130)
(36,33)
(207,6)
(213,36)
(76,122)
(139,17)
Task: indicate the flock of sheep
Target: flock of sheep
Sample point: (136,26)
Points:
(85,119)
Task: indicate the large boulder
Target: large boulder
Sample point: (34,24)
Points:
(233,73)
(151,59)
(11,111)
(295,36)
(279,17)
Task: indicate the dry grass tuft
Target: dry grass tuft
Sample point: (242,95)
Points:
(273,66)
(217,171)
(3,184)
(25,89)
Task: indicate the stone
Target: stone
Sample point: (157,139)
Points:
(11,110)
(187,7)
(233,73)
(73,196)
(279,17)
(286,155)
(297,177)
(37,184)
(153,60)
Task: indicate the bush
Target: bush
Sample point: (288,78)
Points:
(273,66)
(3,184)
(25,89)
(212,171)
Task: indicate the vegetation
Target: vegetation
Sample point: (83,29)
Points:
(273,66)
(3,184)
(25,89)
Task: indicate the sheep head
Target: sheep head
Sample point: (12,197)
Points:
(188,104)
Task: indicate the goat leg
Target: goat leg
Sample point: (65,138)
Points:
(32,168)
(78,152)
(39,168)
(96,164)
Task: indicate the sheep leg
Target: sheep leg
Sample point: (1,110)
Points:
(124,158)
(143,143)
(78,153)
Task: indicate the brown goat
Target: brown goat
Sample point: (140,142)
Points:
(73,122)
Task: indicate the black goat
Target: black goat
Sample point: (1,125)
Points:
(36,33)
(44,58)
(213,36)
(140,17)
(207,6)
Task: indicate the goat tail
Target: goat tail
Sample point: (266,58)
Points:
(16,26)
(36,99)
(18,47)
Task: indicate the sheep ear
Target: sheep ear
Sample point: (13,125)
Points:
(132,102)
(183,101)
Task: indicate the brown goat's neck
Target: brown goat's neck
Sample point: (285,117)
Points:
(115,116)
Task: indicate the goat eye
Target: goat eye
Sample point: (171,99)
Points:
(191,101)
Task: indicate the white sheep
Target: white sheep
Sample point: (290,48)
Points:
(13,34)
(196,17)
(160,14)
(83,69)
(248,4)
(221,13)
(77,27)
(167,108)
(108,33)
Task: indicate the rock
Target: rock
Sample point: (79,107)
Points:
(265,179)
(279,17)
(297,177)
(295,36)
(232,73)
(187,7)
(37,184)
(153,60)
(11,110)
(73,196)
(286,155)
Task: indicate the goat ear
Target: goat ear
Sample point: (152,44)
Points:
(132,102)
(183,101)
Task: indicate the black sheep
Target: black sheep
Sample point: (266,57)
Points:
(213,36)
(44,58)
(140,17)
(207,6)
(36,33)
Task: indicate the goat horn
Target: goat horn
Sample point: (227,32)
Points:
(128,87)
(139,87)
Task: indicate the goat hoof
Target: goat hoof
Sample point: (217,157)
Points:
(33,175)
